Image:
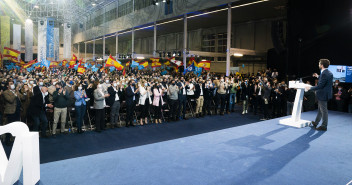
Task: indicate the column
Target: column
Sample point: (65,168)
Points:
(104,47)
(79,52)
(154,43)
(85,52)
(185,41)
(132,43)
(94,50)
(117,44)
(228,57)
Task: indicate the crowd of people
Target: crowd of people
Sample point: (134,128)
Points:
(143,97)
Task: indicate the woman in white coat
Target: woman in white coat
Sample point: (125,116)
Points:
(144,101)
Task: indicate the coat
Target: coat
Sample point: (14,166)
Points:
(37,104)
(10,101)
(99,100)
(157,97)
(324,87)
(143,95)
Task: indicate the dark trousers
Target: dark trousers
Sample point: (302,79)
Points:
(80,112)
(276,108)
(144,109)
(227,102)
(99,119)
(222,101)
(173,109)
(258,101)
(11,118)
(157,112)
(129,111)
(36,122)
(114,113)
(182,100)
(322,113)
(207,105)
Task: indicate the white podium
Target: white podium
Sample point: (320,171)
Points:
(295,119)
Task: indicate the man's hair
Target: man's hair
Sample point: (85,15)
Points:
(324,62)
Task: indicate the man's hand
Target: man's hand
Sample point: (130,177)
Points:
(49,105)
(308,88)
(315,75)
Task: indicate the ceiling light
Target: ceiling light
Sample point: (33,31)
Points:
(28,20)
(36,6)
(93,4)
(164,1)
(140,58)
(238,55)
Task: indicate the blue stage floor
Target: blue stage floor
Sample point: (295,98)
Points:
(258,153)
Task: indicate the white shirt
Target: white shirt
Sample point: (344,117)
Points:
(117,95)
(183,89)
(260,90)
(190,91)
(201,90)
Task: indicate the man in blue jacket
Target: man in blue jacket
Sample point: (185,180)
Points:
(323,93)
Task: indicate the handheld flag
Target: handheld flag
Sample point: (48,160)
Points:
(10,53)
(81,70)
(111,62)
(134,64)
(204,64)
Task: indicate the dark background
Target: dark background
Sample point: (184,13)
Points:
(325,30)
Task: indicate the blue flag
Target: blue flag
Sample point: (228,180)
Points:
(75,67)
(95,69)
(46,63)
(140,67)
(135,64)
(112,69)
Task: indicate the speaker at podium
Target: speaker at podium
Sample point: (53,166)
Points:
(295,119)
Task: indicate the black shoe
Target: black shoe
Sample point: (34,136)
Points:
(314,124)
(322,128)
(97,131)
(197,115)
(54,135)
(185,118)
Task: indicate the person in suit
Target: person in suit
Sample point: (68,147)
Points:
(198,95)
(245,93)
(99,106)
(182,100)
(37,108)
(115,91)
(131,92)
(323,93)
(208,96)
(12,106)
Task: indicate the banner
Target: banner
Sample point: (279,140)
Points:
(67,41)
(5,31)
(56,44)
(42,29)
(16,37)
(50,38)
(29,40)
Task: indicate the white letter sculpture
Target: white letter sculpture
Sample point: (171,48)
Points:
(25,152)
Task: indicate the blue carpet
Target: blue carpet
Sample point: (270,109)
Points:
(259,153)
(78,145)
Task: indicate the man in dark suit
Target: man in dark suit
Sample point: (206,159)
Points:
(114,102)
(37,108)
(323,93)
(131,92)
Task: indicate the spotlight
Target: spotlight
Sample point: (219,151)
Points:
(126,56)
(42,23)
(155,2)
(36,6)
(168,54)
(238,54)
(93,4)
(68,25)
(164,1)
(174,54)
(164,54)
(179,53)
(28,20)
